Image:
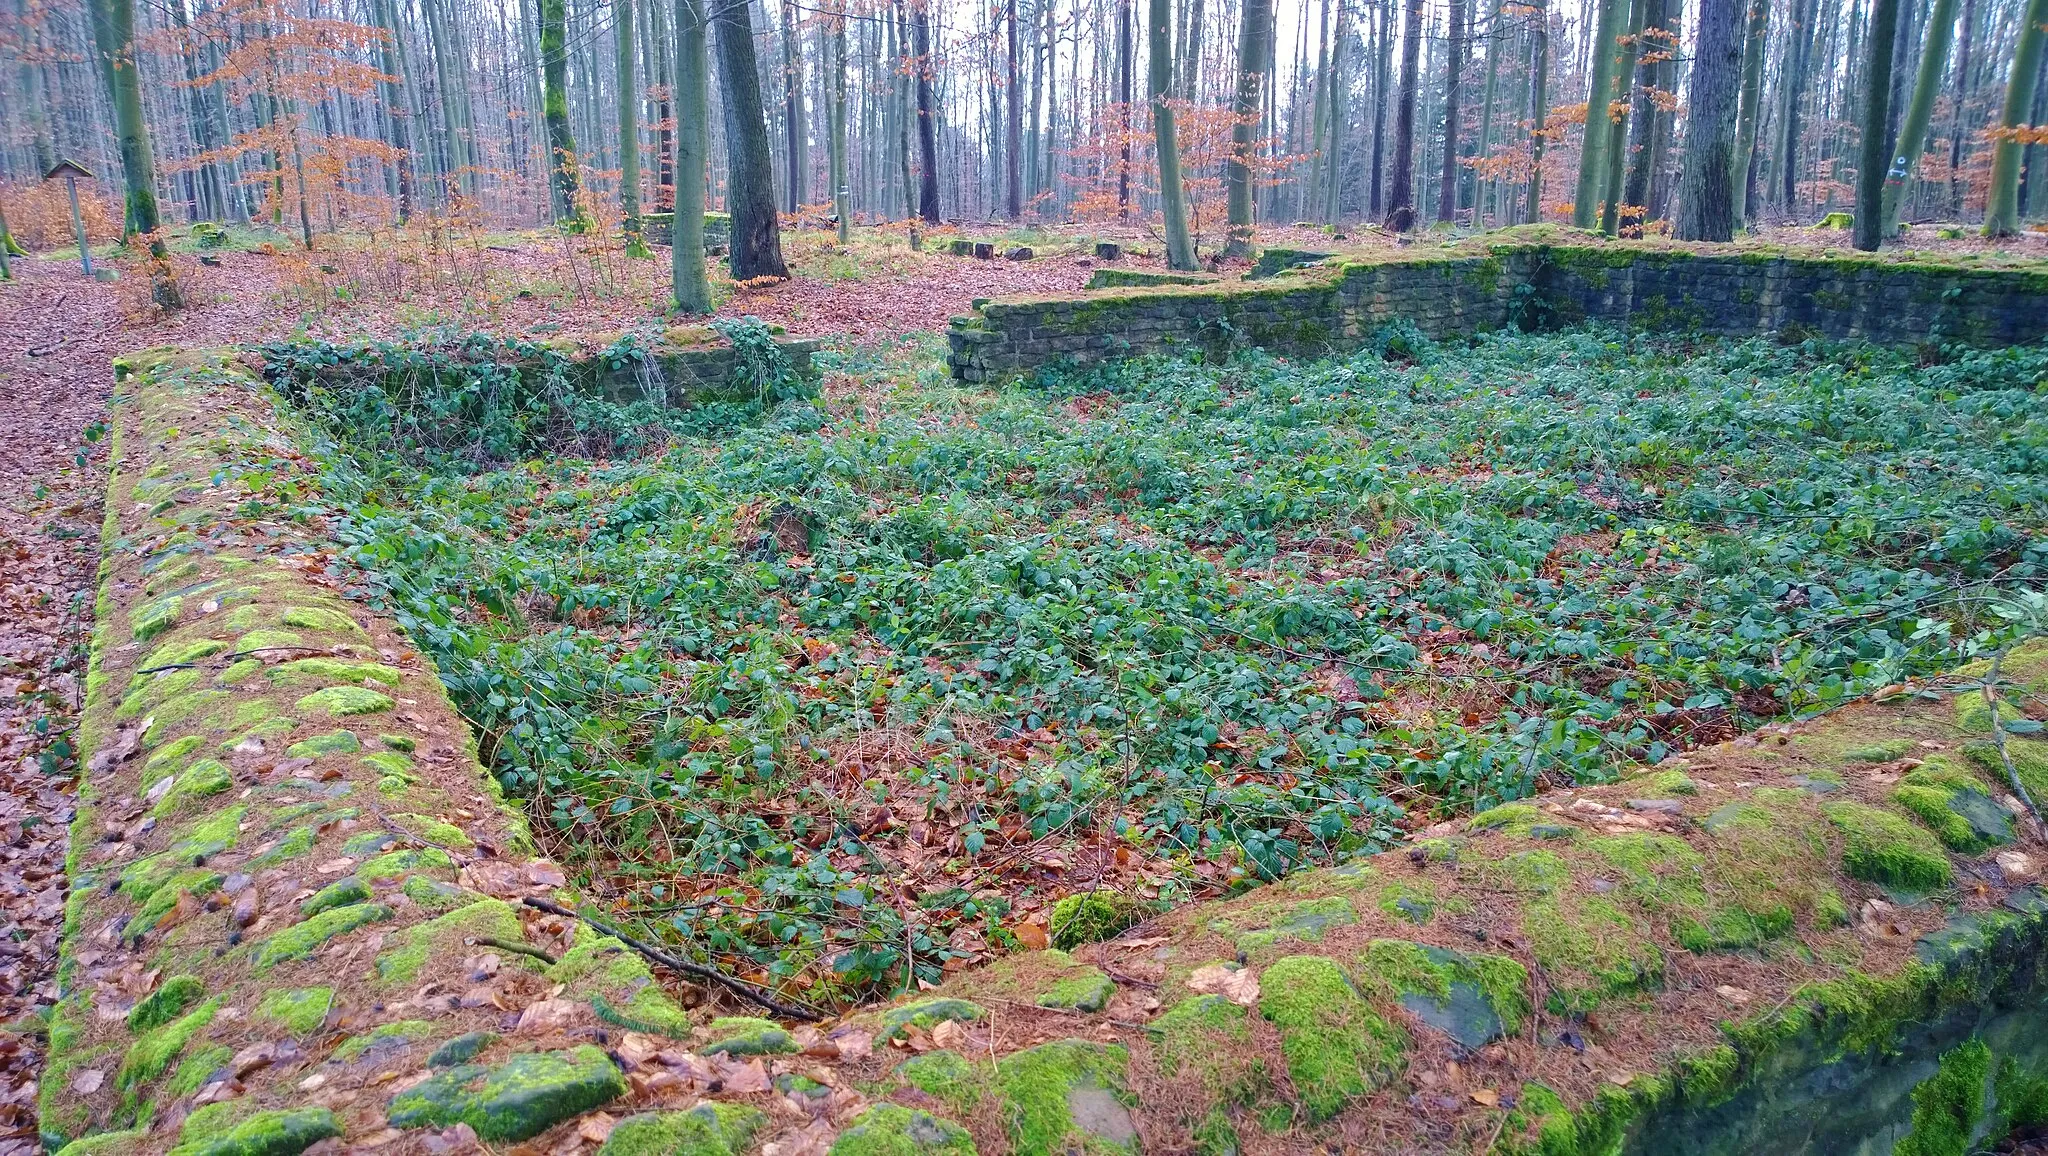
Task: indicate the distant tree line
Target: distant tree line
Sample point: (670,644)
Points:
(1200,118)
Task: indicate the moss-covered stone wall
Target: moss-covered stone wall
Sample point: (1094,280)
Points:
(1335,305)
(297,913)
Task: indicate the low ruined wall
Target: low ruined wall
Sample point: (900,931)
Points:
(297,912)
(1443,292)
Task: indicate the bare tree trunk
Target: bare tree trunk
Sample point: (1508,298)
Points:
(1180,249)
(1254,45)
(927,113)
(1401,202)
(1606,50)
(629,130)
(1383,73)
(1539,114)
(1913,134)
(835,94)
(1706,189)
(687,279)
(2002,207)
(1123,86)
(1013,154)
(554,71)
(1616,149)
(1753,50)
(1877,94)
(1447,197)
(113,29)
(795,162)
(756,248)
(1955,124)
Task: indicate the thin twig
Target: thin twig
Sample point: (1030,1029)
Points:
(2012,774)
(739,988)
(249,653)
(513,947)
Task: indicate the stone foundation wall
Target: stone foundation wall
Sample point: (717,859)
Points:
(1334,308)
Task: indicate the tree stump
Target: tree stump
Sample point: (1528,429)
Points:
(1108,251)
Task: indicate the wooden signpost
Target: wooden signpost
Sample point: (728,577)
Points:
(71,170)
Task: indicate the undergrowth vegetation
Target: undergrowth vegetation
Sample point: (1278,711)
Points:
(844,690)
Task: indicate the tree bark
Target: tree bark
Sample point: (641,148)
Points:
(1123,85)
(1652,49)
(1447,196)
(554,73)
(1753,49)
(1180,249)
(1401,199)
(692,97)
(1955,123)
(1254,33)
(750,192)
(1913,133)
(2002,208)
(1013,155)
(1615,151)
(835,94)
(629,130)
(1705,212)
(113,29)
(927,113)
(1605,50)
(1539,114)
(1870,164)
(795,161)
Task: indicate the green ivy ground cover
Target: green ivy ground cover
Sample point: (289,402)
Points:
(1228,619)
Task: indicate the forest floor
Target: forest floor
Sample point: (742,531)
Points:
(59,330)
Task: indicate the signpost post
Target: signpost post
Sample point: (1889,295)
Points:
(71,170)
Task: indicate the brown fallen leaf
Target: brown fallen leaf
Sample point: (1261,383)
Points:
(1486,1098)
(87,1081)
(596,1127)
(1238,985)
(949,1034)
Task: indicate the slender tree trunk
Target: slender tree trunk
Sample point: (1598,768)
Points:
(1913,133)
(794,161)
(1254,33)
(1705,208)
(1180,249)
(629,130)
(1877,93)
(902,83)
(1333,165)
(1616,149)
(2002,207)
(113,28)
(1652,48)
(687,279)
(1383,72)
(1401,201)
(1447,197)
(1013,153)
(756,249)
(1483,188)
(1123,83)
(554,71)
(1955,124)
(927,112)
(835,93)
(1754,43)
(1605,50)
(1539,114)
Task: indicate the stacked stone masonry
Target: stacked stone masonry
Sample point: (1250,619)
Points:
(1336,306)
(297,921)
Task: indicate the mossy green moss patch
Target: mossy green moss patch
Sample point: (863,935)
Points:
(1668,878)
(1953,804)
(1886,848)
(443,938)
(1209,1039)
(321,618)
(298,1010)
(280,1132)
(1271,925)
(383,1040)
(336,742)
(166,1003)
(1089,917)
(1770,855)
(522,1097)
(152,1054)
(1337,1048)
(1473,999)
(746,1036)
(301,940)
(1065,1096)
(1948,1104)
(1589,946)
(342,701)
(926,1014)
(612,977)
(894,1130)
(712,1128)
(196,783)
(393,864)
